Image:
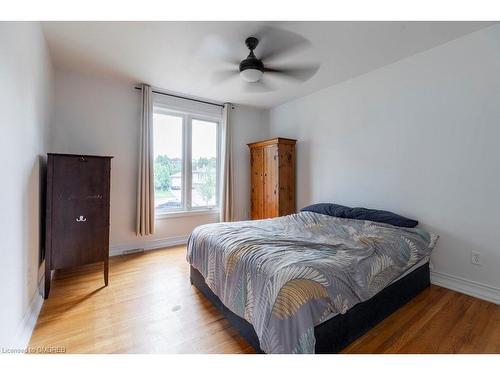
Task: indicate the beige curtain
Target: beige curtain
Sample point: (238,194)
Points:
(226,199)
(145,185)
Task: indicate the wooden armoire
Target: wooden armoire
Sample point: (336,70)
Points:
(272,164)
(77,212)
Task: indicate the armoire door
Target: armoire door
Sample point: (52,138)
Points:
(286,180)
(271,175)
(80,213)
(257,185)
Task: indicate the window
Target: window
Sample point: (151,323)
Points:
(186,161)
(168,163)
(204,163)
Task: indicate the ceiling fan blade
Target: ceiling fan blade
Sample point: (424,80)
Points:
(298,73)
(220,76)
(276,43)
(260,86)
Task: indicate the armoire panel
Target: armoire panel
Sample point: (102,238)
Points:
(271,178)
(257,183)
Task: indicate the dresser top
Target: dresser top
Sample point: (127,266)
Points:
(272,141)
(80,155)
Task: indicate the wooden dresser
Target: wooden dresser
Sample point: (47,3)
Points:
(77,212)
(272,165)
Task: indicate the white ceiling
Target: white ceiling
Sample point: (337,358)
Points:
(173,55)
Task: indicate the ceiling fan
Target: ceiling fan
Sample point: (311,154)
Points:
(267,64)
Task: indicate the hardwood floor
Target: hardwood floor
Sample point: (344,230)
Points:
(150,307)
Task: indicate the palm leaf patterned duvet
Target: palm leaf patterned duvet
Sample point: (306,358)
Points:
(289,274)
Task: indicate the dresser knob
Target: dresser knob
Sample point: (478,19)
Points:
(81,218)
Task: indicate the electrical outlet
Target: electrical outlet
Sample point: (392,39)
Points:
(475,258)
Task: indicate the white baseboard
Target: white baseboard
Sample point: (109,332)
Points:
(27,324)
(469,287)
(148,244)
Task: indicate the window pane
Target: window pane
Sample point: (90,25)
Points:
(168,161)
(204,163)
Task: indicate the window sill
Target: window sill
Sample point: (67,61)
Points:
(175,214)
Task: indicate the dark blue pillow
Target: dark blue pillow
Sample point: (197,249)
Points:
(360,213)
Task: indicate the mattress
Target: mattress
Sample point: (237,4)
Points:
(289,274)
(336,333)
(407,272)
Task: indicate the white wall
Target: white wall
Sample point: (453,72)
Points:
(25,115)
(95,115)
(418,137)
(249,125)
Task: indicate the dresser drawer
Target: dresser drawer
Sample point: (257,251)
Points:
(80,178)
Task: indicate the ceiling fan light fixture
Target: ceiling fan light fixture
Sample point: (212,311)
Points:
(251,75)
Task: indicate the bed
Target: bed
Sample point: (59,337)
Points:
(308,282)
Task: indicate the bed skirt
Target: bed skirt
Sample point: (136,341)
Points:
(336,333)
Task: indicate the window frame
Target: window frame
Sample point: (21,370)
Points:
(187,208)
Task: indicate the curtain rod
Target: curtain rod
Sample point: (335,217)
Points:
(182,97)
